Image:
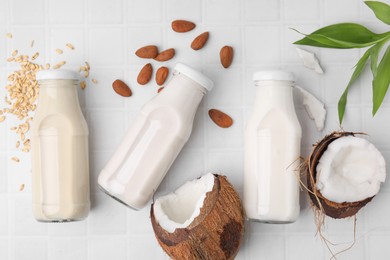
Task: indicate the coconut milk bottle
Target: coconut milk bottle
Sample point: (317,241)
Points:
(272,151)
(154,139)
(59,139)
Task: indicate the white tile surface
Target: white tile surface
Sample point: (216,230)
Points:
(106,34)
(27,12)
(261,10)
(105,12)
(102,248)
(140,11)
(25,248)
(68,248)
(3,248)
(106,46)
(3,216)
(268,37)
(69,12)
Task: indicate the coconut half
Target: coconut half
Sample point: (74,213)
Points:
(344,173)
(203,219)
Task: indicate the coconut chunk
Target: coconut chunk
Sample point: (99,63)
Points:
(310,60)
(350,170)
(314,108)
(179,208)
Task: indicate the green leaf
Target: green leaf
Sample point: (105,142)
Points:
(342,36)
(381,10)
(358,70)
(374,57)
(381,81)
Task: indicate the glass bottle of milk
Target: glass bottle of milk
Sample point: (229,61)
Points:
(154,139)
(60,167)
(272,151)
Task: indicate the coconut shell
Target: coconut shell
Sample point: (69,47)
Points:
(216,233)
(331,208)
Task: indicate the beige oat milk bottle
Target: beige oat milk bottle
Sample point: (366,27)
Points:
(272,151)
(59,139)
(154,139)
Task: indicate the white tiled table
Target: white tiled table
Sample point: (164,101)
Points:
(106,33)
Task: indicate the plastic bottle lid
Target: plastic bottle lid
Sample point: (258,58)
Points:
(57,74)
(195,75)
(273,75)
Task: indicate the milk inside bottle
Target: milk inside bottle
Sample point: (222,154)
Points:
(154,139)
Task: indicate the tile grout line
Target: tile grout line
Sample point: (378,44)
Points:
(281,60)
(9,244)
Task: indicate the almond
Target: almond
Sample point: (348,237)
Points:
(121,88)
(220,118)
(200,41)
(160,89)
(182,26)
(161,75)
(147,52)
(145,74)
(226,56)
(165,55)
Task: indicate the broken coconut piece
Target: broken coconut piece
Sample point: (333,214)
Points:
(351,169)
(344,173)
(203,219)
(314,108)
(310,60)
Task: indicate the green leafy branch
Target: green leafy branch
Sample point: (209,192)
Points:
(351,35)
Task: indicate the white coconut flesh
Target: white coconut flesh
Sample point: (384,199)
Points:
(179,208)
(350,170)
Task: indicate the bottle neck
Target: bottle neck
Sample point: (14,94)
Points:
(274,94)
(56,93)
(182,93)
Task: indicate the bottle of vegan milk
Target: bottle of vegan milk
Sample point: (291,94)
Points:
(272,151)
(59,139)
(154,139)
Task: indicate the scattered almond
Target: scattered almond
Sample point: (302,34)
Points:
(160,89)
(161,75)
(121,88)
(182,26)
(165,55)
(147,52)
(94,81)
(220,118)
(59,51)
(9,35)
(15,159)
(200,41)
(226,56)
(14,53)
(145,74)
(21,188)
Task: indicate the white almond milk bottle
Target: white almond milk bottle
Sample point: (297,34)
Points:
(59,139)
(154,139)
(272,151)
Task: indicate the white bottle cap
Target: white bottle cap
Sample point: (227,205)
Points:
(195,75)
(273,75)
(57,74)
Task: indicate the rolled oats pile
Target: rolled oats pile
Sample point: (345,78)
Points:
(23,91)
